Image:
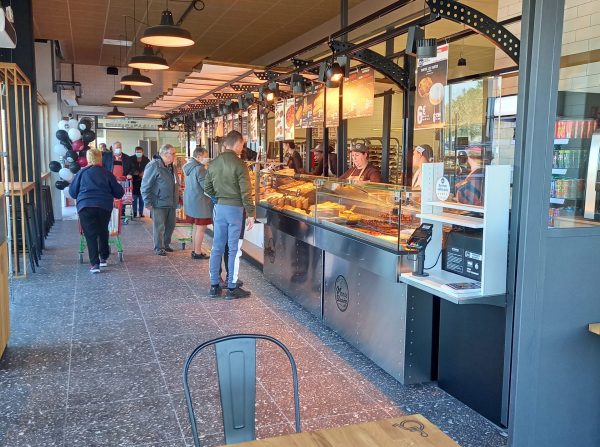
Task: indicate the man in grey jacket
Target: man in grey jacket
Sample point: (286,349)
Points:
(160,193)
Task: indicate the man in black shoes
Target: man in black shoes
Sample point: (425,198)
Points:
(228,181)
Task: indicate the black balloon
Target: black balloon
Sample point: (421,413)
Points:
(62,136)
(88,136)
(61,184)
(85,122)
(74,168)
(54,166)
(71,156)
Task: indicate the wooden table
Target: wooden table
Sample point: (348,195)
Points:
(406,431)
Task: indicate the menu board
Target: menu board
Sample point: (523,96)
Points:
(289,115)
(309,99)
(236,122)
(279,121)
(332,109)
(253,125)
(299,111)
(219,127)
(245,125)
(359,94)
(431,80)
(318,108)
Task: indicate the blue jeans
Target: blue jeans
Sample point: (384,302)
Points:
(227,225)
(138,203)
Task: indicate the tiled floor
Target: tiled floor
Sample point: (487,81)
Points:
(96,359)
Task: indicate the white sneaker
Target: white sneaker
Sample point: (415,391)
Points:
(103,263)
(95,269)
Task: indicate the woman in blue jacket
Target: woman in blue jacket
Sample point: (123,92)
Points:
(95,189)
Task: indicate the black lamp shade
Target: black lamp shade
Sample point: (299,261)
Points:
(148,60)
(335,73)
(114,113)
(136,78)
(118,100)
(167,34)
(426,48)
(462,62)
(128,93)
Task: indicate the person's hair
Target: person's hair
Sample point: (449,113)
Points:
(93,156)
(291,144)
(102,144)
(139,148)
(479,152)
(165,148)
(426,151)
(198,151)
(117,142)
(232,138)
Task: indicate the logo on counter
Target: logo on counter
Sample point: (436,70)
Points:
(412,426)
(341,293)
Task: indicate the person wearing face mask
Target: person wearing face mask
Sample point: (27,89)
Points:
(197,205)
(117,162)
(362,170)
(138,165)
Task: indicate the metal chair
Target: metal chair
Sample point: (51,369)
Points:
(236,368)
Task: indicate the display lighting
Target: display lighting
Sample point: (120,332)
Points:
(167,34)
(266,94)
(136,79)
(115,113)
(298,84)
(245,100)
(119,100)
(148,60)
(335,73)
(128,93)
(426,48)
(234,106)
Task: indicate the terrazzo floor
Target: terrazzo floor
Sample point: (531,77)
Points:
(96,360)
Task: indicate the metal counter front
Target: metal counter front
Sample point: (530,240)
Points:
(353,287)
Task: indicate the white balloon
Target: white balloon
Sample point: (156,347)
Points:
(82,127)
(66,174)
(62,125)
(74,134)
(60,150)
(73,125)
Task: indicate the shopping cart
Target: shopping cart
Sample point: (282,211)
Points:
(114,231)
(127,200)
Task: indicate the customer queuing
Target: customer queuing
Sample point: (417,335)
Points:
(138,165)
(95,189)
(117,162)
(197,205)
(160,193)
(229,182)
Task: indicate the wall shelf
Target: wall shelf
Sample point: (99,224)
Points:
(457,206)
(453,219)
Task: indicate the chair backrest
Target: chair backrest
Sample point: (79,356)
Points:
(236,367)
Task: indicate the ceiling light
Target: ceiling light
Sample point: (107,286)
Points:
(335,73)
(114,113)
(124,43)
(266,94)
(462,62)
(128,92)
(118,100)
(136,78)
(167,34)
(426,48)
(148,60)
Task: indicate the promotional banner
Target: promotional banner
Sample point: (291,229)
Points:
(431,80)
(290,109)
(359,94)
(299,106)
(245,125)
(236,122)
(332,109)
(253,125)
(309,99)
(219,127)
(279,121)
(318,108)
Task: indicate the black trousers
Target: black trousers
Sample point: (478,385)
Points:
(94,222)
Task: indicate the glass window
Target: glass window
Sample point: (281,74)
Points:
(574,189)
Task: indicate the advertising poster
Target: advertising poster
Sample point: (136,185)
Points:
(236,122)
(332,109)
(290,109)
(309,99)
(245,125)
(318,108)
(359,94)
(299,106)
(219,127)
(432,76)
(279,121)
(253,125)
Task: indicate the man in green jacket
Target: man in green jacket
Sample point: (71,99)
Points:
(229,182)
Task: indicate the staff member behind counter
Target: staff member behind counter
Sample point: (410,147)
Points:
(318,170)
(363,169)
(294,158)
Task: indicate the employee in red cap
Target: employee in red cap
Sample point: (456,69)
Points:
(470,190)
(362,170)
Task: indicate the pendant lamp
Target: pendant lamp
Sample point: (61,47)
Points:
(167,34)
(114,113)
(128,93)
(426,48)
(136,78)
(148,60)
(118,100)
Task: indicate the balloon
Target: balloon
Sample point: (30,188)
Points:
(59,150)
(82,161)
(65,174)
(54,166)
(62,125)
(74,134)
(71,156)
(61,184)
(73,123)
(74,168)
(77,145)
(85,124)
(88,136)
(62,135)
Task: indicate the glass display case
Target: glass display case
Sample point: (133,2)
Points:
(292,194)
(379,213)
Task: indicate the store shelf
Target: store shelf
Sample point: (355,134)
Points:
(434,284)
(457,206)
(453,219)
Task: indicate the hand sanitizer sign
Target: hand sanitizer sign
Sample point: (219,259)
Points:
(442,189)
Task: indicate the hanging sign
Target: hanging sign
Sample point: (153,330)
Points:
(318,108)
(219,127)
(289,115)
(359,94)
(253,125)
(332,108)
(299,111)
(245,124)
(279,121)
(236,122)
(432,77)
(309,99)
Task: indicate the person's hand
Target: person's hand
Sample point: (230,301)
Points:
(129,177)
(249,223)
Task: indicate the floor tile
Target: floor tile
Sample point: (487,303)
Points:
(34,359)
(39,428)
(109,353)
(104,330)
(23,394)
